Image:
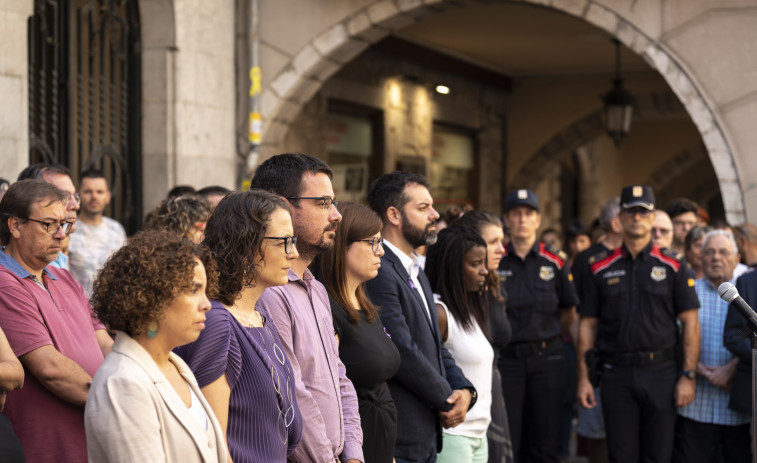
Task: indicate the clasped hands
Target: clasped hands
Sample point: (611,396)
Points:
(460,400)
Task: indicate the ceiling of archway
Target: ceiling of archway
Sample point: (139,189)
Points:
(522,41)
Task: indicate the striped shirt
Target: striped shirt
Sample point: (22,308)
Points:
(710,404)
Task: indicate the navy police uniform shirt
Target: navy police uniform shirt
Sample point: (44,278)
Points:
(637,300)
(536,287)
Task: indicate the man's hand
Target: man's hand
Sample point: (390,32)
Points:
(585,394)
(460,400)
(722,375)
(685,391)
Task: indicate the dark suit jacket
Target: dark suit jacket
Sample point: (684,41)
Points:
(735,341)
(427,374)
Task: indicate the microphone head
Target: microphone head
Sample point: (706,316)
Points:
(728,292)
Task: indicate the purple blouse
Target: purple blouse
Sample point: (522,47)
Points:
(265,424)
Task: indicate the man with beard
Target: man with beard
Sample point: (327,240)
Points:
(629,305)
(541,304)
(429,389)
(97,236)
(302,313)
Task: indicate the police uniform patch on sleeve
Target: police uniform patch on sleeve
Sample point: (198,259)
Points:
(546,272)
(658,273)
(691,282)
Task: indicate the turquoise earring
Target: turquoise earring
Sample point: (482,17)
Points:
(152,329)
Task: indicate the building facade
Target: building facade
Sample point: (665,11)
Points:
(353,82)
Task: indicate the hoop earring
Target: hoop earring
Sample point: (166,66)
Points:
(152,329)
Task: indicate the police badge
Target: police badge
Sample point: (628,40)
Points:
(546,272)
(658,273)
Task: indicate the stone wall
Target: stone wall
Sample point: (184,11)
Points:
(14,83)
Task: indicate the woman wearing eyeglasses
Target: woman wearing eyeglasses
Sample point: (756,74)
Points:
(238,359)
(365,347)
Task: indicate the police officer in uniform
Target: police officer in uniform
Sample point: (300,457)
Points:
(541,303)
(629,307)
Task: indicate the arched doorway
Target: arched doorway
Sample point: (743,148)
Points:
(327,53)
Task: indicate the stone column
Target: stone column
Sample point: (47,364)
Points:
(14,86)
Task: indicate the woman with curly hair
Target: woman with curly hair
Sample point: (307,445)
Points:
(185,215)
(238,359)
(366,350)
(456,269)
(144,403)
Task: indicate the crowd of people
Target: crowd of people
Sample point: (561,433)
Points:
(278,324)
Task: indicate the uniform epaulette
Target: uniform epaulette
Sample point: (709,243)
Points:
(664,257)
(554,255)
(605,262)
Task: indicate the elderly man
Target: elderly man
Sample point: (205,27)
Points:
(707,430)
(662,230)
(49,324)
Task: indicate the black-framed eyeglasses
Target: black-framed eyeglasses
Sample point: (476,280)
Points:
(65,225)
(375,243)
(325,201)
(289,241)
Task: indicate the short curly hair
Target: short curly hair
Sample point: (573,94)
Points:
(142,278)
(178,214)
(234,234)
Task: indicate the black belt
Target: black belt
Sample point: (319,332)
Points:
(529,349)
(628,359)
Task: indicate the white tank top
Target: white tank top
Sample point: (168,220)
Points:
(474,355)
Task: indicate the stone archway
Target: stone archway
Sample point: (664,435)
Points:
(282,100)
(588,128)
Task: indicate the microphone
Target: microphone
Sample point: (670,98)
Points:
(730,294)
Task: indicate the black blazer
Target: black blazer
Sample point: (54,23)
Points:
(427,374)
(734,340)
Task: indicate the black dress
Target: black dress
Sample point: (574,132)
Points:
(370,358)
(498,434)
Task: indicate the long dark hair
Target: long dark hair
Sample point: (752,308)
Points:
(478,220)
(444,267)
(359,222)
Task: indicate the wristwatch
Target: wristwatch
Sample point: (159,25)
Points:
(691,374)
(473,396)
